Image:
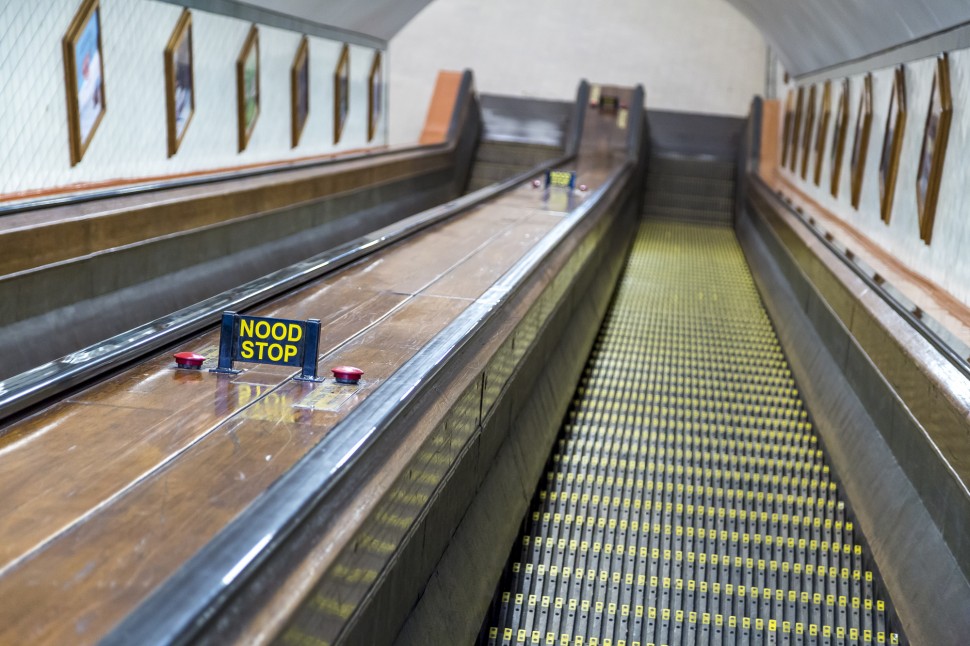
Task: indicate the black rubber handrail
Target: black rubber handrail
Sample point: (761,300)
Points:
(940,345)
(165,185)
(182,606)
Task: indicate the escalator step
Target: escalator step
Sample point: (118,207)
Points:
(688,500)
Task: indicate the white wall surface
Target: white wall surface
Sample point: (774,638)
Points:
(130,143)
(945,261)
(690,55)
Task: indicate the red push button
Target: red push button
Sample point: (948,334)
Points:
(536,183)
(189,360)
(347,374)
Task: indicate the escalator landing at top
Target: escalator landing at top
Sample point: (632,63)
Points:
(688,499)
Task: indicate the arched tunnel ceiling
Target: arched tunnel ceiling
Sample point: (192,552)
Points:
(808,35)
(378,18)
(811,35)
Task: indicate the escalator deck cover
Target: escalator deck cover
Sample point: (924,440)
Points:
(688,500)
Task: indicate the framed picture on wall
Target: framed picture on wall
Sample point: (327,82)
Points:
(84,78)
(786,131)
(179,82)
(341,93)
(796,129)
(838,137)
(822,134)
(375,96)
(860,142)
(933,152)
(300,90)
(247,87)
(892,143)
(807,135)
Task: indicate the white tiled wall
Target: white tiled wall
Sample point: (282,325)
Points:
(130,143)
(946,261)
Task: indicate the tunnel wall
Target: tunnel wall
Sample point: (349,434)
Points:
(676,48)
(130,143)
(944,261)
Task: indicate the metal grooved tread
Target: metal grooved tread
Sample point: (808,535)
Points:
(688,500)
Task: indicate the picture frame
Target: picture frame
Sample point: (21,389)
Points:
(786,130)
(796,129)
(341,93)
(932,158)
(839,137)
(300,91)
(84,78)
(860,142)
(809,127)
(179,82)
(822,134)
(247,87)
(892,143)
(375,95)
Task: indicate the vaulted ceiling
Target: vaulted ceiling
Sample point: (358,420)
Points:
(811,35)
(378,18)
(808,35)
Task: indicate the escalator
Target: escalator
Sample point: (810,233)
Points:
(688,499)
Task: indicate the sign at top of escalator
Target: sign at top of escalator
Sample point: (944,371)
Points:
(561,179)
(609,104)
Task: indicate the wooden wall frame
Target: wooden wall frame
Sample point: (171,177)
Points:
(341,93)
(892,144)
(179,82)
(809,126)
(299,91)
(839,137)
(786,132)
(796,129)
(375,95)
(860,142)
(247,87)
(822,135)
(84,78)
(932,155)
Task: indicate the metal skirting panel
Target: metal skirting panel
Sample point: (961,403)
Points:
(839,382)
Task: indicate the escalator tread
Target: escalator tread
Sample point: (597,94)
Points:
(688,499)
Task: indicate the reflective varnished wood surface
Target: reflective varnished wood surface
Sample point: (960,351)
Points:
(107,493)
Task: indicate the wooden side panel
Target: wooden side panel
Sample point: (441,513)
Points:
(442,105)
(770,141)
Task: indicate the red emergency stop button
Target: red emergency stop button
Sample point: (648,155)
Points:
(347,374)
(189,360)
